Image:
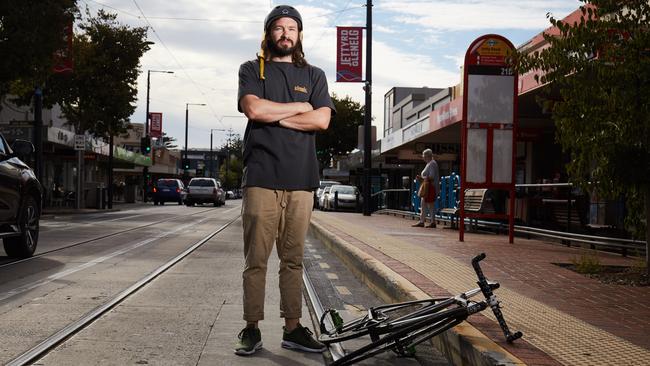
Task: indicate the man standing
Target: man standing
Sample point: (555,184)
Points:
(286,100)
(431,177)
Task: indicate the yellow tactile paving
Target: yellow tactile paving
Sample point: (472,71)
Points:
(332,276)
(567,339)
(343,290)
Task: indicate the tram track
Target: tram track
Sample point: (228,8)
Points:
(101,237)
(53,341)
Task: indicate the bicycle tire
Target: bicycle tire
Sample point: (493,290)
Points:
(361,326)
(425,329)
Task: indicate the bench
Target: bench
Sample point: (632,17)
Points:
(474,202)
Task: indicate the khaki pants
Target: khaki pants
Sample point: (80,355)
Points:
(274,216)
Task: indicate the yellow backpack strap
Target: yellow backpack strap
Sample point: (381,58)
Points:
(261,56)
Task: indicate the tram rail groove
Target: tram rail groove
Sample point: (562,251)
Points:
(40,350)
(335,349)
(18,261)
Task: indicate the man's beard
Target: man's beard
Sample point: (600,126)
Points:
(279,51)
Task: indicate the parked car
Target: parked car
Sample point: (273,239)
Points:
(342,197)
(202,190)
(319,192)
(168,190)
(20,200)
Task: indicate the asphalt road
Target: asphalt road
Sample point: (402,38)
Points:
(190,315)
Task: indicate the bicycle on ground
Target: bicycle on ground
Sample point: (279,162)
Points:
(400,327)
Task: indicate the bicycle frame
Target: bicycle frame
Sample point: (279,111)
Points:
(404,332)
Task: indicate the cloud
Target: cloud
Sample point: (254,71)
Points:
(466,15)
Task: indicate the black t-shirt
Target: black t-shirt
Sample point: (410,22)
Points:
(276,157)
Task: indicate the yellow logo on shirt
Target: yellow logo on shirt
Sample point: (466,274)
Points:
(301,89)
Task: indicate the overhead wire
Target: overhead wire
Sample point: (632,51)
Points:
(207,102)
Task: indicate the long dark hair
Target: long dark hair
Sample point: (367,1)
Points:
(297,57)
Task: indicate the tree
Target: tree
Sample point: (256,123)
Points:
(601,67)
(30,33)
(341,136)
(100,95)
(232,177)
(231,172)
(168,142)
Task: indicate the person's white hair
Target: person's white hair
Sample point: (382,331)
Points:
(427,152)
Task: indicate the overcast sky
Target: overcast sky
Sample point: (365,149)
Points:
(415,43)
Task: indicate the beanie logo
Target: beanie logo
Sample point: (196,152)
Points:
(301,89)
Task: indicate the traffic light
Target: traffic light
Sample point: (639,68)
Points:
(185,163)
(145,145)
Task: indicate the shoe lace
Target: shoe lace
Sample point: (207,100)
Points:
(307,331)
(243,333)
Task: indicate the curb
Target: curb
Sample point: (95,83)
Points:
(461,345)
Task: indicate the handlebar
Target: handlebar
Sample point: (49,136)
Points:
(491,299)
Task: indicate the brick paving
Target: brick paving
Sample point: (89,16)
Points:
(526,267)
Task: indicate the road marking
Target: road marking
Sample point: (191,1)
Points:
(318,256)
(61,274)
(343,290)
(324,265)
(332,276)
(355,310)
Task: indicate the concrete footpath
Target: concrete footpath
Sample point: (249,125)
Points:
(567,318)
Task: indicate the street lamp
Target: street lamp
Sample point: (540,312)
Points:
(186,125)
(145,170)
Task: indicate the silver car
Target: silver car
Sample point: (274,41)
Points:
(342,197)
(201,190)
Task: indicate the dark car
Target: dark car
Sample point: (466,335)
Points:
(20,200)
(169,190)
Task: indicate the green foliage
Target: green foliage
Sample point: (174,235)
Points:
(169,142)
(341,136)
(100,95)
(598,70)
(587,263)
(30,33)
(231,178)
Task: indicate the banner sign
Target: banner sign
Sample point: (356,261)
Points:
(63,56)
(348,54)
(155,125)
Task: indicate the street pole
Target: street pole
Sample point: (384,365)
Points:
(211,157)
(367,144)
(145,170)
(38,132)
(211,151)
(187,112)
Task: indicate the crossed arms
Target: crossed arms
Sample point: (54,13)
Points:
(299,116)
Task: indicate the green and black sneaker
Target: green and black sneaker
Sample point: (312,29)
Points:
(250,340)
(301,339)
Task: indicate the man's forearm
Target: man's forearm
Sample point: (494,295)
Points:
(316,120)
(263,110)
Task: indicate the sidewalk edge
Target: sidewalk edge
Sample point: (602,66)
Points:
(462,345)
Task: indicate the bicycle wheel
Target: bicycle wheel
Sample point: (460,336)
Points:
(411,335)
(378,316)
